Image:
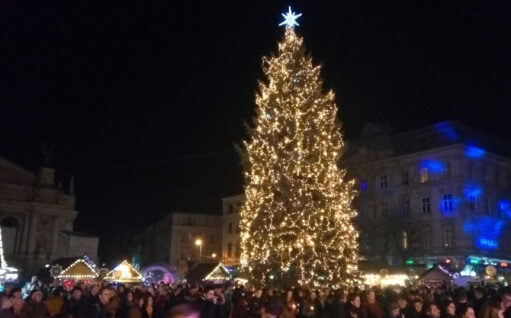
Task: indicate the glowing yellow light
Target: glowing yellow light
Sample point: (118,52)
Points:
(198,242)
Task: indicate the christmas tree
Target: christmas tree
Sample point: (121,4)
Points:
(296,222)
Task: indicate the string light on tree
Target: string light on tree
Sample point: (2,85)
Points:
(296,221)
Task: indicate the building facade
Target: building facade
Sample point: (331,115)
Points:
(36,218)
(231,229)
(172,240)
(427,195)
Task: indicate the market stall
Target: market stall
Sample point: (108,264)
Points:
(208,272)
(124,273)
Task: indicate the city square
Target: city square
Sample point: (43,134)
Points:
(141,177)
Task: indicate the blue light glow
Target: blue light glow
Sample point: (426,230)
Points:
(446,129)
(486,231)
(504,207)
(486,244)
(472,191)
(363,186)
(474,152)
(290,19)
(449,206)
(434,166)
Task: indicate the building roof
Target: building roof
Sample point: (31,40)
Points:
(78,270)
(379,138)
(124,273)
(208,271)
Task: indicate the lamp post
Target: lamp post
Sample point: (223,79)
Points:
(198,242)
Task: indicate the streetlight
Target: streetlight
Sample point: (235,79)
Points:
(213,255)
(198,242)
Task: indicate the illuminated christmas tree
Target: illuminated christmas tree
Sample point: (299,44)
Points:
(296,222)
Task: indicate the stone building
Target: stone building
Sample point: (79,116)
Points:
(426,195)
(37,218)
(172,240)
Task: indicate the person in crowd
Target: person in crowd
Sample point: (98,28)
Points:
(418,306)
(479,300)
(394,311)
(12,307)
(354,305)
(97,307)
(290,307)
(208,304)
(467,312)
(371,308)
(272,309)
(449,310)
(337,308)
(76,305)
(34,307)
(55,303)
(184,310)
(433,311)
(256,304)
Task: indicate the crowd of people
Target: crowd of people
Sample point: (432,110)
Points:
(229,301)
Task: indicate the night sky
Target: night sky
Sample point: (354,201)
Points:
(145,102)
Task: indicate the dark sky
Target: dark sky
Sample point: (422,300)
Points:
(144,101)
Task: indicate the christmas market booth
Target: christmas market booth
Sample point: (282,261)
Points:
(214,273)
(124,273)
(438,275)
(79,269)
(383,275)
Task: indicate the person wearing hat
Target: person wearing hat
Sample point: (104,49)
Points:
(55,302)
(34,307)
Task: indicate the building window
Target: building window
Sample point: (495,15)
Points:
(486,206)
(424,175)
(229,250)
(405,207)
(383,182)
(472,203)
(447,202)
(237,253)
(448,235)
(405,240)
(238,230)
(405,178)
(363,186)
(229,231)
(230,209)
(426,205)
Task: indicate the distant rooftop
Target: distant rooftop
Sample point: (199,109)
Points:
(380,138)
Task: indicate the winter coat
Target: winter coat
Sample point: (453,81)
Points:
(34,310)
(373,310)
(9,313)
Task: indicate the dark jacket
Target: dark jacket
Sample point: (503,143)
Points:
(96,309)
(338,309)
(8,313)
(34,310)
(76,308)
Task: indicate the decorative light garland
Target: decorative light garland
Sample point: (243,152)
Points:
(92,275)
(123,273)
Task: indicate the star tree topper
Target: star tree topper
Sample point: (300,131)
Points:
(290,19)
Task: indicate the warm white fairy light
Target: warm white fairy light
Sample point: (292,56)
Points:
(91,275)
(3,263)
(297,215)
(124,272)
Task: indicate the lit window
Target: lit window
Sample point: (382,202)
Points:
(447,202)
(426,205)
(405,240)
(424,175)
(383,182)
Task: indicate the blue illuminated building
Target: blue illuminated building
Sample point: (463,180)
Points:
(430,194)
